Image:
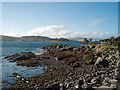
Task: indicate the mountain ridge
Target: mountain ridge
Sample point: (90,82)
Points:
(31,38)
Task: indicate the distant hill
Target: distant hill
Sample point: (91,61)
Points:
(32,39)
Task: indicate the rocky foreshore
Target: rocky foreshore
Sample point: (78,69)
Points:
(70,68)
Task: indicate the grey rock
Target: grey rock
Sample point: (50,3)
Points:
(53,86)
(102,62)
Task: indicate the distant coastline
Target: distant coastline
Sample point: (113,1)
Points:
(32,39)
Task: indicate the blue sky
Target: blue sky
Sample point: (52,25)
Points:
(60,19)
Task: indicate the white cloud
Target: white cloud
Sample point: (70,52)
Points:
(57,31)
(97,21)
(13,33)
(50,31)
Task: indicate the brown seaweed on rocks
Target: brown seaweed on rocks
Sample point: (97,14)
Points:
(73,68)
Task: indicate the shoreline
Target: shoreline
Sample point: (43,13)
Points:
(71,68)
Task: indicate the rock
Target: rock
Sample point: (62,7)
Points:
(61,88)
(67,85)
(76,49)
(16,75)
(56,58)
(104,82)
(93,81)
(53,86)
(113,85)
(102,62)
(77,86)
(105,88)
(20,56)
(75,65)
(118,63)
(66,48)
(107,79)
(61,84)
(80,81)
(98,60)
(91,62)
(99,54)
(113,81)
(92,46)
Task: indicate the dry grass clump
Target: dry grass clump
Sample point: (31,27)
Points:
(88,57)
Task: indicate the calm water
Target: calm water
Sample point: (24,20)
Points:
(9,48)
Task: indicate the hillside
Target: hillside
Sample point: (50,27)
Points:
(31,39)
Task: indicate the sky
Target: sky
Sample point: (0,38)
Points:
(60,19)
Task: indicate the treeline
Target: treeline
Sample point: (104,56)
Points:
(112,41)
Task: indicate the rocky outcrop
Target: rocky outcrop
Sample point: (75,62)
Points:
(28,59)
(75,68)
(20,56)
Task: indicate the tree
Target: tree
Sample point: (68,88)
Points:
(90,39)
(112,39)
(85,40)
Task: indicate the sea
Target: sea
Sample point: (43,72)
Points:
(8,68)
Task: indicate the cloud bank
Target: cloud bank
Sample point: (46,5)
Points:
(58,31)
(50,31)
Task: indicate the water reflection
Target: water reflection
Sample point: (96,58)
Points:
(11,67)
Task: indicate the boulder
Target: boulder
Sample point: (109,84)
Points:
(53,86)
(92,46)
(93,81)
(102,62)
(76,49)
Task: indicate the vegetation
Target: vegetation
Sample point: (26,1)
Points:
(85,40)
(112,41)
(90,39)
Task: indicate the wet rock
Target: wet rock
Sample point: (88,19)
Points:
(4,81)
(16,75)
(20,56)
